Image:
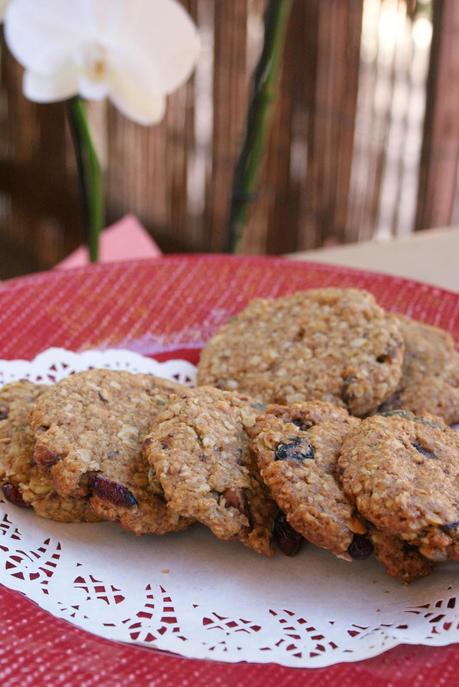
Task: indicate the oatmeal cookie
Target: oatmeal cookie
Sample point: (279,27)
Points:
(297,448)
(22,483)
(399,558)
(402,474)
(334,345)
(430,372)
(89,430)
(199,450)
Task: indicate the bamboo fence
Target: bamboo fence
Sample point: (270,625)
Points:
(364,139)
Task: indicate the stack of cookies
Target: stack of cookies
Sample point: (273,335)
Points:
(318,417)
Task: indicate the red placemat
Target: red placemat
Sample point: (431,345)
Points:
(157,308)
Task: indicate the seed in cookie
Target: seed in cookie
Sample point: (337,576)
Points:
(22,482)
(402,472)
(199,450)
(298,466)
(89,430)
(334,345)
(430,372)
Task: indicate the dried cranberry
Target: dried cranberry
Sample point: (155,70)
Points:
(287,539)
(360,547)
(44,457)
(115,493)
(296,449)
(234,498)
(13,494)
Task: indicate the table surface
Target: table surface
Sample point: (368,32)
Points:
(430,256)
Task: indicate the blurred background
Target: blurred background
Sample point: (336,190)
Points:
(364,140)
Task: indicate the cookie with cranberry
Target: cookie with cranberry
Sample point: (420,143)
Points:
(401,560)
(334,345)
(21,481)
(297,448)
(430,373)
(199,450)
(402,473)
(89,429)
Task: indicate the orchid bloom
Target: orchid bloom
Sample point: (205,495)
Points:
(134,52)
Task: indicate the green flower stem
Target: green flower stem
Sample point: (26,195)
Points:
(89,174)
(263,94)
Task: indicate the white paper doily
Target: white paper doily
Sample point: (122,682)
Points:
(192,594)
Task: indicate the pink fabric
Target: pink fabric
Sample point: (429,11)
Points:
(124,240)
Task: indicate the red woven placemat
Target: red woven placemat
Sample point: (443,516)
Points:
(157,308)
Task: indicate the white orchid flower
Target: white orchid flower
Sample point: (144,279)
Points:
(134,52)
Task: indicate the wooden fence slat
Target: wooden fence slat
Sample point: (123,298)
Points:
(440,150)
(382,120)
(307,229)
(230,104)
(335,33)
(350,84)
(179,143)
(282,218)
